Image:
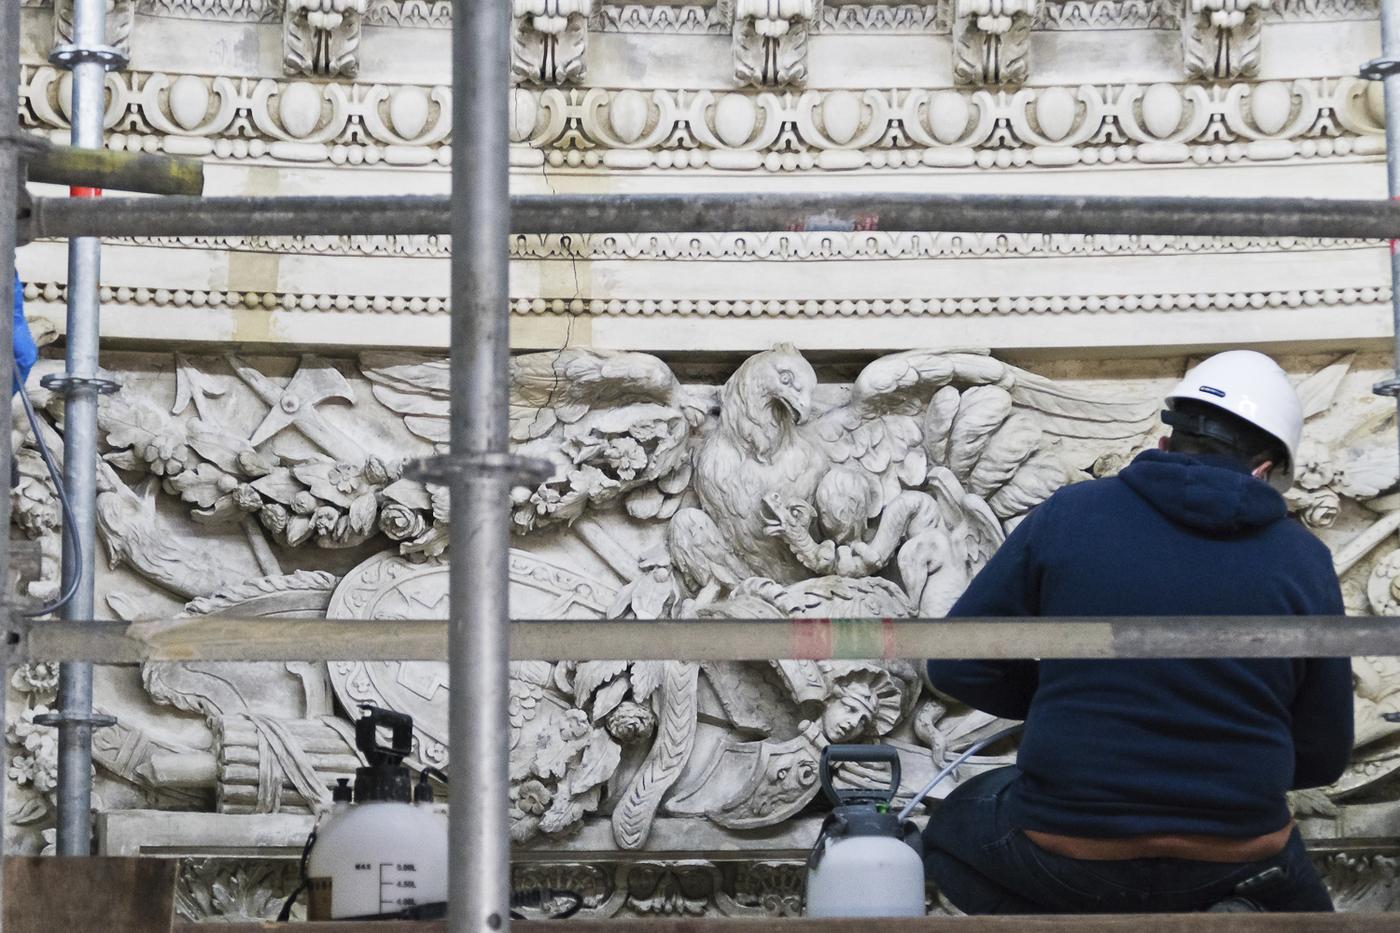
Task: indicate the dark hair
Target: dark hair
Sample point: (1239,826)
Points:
(1252,446)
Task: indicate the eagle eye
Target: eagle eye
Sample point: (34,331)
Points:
(785,377)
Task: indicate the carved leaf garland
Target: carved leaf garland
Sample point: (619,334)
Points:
(674,741)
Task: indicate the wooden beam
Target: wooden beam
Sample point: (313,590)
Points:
(89,895)
(1119,923)
(225,638)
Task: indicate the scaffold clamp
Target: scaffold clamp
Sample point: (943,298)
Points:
(62,382)
(1378,69)
(1390,388)
(58,718)
(449,468)
(67,56)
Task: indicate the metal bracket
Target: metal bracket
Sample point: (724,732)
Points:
(59,718)
(62,382)
(1378,69)
(448,468)
(66,56)
(1390,388)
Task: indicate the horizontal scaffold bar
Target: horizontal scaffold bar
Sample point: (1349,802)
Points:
(149,173)
(723,212)
(225,638)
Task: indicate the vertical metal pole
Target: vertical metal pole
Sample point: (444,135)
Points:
(80,446)
(9,193)
(478,646)
(1387,70)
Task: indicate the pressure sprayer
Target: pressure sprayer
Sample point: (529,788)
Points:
(381,852)
(868,860)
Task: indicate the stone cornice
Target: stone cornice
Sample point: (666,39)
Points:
(295,121)
(789,307)
(697,19)
(765,247)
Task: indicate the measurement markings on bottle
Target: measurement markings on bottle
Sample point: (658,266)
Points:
(394,888)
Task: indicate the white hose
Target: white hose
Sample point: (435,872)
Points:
(953,766)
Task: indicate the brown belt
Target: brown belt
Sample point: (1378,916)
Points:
(1193,848)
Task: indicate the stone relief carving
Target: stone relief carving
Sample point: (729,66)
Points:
(121,18)
(549,39)
(770,39)
(768,494)
(596,128)
(991,40)
(322,37)
(1221,38)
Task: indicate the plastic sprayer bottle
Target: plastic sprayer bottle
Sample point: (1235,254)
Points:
(385,855)
(867,862)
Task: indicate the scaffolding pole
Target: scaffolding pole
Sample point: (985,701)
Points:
(88,58)
(1386,69)
(10,143)
(478,473)
(722,212)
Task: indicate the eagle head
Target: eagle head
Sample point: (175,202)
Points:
(770,393)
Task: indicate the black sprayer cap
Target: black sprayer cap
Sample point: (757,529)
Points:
(384,776)
(340,793)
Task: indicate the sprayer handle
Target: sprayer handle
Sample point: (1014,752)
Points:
(871,753)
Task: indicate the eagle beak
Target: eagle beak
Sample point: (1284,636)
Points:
(796,406)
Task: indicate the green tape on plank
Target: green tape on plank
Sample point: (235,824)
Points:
(819,639)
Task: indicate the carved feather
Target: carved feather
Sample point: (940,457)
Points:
(668,756)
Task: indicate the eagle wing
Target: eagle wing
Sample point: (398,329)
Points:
(1003,432)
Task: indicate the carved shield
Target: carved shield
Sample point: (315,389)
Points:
(388,586)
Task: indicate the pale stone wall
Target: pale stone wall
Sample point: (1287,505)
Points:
(646,376)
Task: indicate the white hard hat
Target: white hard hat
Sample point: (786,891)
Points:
(1254,388)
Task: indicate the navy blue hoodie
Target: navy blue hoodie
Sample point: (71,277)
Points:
(1131,747)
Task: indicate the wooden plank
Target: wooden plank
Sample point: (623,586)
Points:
(226,638)
(102,895)
(1136,923)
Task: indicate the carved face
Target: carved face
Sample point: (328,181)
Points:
(848,715)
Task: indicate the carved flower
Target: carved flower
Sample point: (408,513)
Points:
(165,454)
(533,797)
(37,764)
(631,723)
(274,517)
(304,503)
(574,723)
(346,477)
(1314,466)
(626,457)
(247,498)
(400,523)
(546,499)
(35,677)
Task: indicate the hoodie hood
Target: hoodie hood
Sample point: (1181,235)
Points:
(1212,494)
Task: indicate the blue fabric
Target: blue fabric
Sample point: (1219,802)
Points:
(1131,747)
(26,353)
(985,865)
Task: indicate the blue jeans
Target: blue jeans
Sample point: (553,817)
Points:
(984,865)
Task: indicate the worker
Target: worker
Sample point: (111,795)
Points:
(22,341)
(1156,785)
